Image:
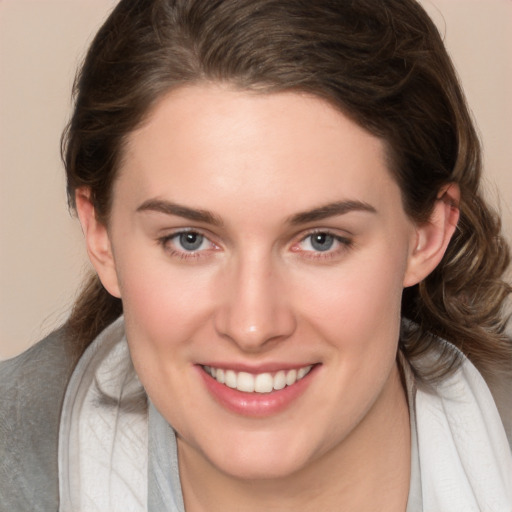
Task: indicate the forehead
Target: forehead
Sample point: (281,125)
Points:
(212,143)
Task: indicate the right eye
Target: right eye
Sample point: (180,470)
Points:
(320,242)
(190,241)
(186,244)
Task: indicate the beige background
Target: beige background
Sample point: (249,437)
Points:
(41,42)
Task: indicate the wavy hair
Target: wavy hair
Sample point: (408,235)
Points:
(383,64)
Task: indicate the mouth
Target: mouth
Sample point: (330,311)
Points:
(262,383)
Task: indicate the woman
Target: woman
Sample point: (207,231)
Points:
(281,202)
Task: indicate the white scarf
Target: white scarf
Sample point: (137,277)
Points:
(103,450)
(463,456)
(462,462)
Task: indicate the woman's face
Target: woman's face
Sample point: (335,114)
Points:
(259,238)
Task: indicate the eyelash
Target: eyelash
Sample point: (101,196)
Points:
(344,245)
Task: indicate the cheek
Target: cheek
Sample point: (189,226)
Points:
(162,305)
(356,311)
(359,301)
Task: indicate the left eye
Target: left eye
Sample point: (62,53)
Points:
(190,241)
(320,242)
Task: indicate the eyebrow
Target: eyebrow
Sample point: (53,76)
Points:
(170,208)
(198,215)
(331,210)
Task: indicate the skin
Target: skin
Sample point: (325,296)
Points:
(257,292)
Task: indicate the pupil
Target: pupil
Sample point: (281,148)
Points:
(191,241)
(322,241)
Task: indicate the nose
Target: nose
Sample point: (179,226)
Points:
(255,309)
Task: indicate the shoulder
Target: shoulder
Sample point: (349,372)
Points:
(32,388)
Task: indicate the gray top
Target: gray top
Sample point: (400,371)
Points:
(32,388)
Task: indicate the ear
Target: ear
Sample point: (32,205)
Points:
(97,241)
(432,237)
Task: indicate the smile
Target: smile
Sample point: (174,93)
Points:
(257,383)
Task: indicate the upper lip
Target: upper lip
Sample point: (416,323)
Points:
(269,367)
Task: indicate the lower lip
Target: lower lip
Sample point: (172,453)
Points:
(256,404)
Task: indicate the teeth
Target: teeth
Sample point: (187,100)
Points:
(230,379)
(302,373)
(245,382)
(263,383)
(280,380)
(259,383)
(291,377)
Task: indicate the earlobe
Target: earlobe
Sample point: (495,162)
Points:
(433,236)
(97,241)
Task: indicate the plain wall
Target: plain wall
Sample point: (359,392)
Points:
(42,256)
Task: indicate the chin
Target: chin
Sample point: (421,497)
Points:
(260,459)
(261,470)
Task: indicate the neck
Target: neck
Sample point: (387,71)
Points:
(368,470)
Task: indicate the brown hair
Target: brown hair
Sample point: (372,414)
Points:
(381,63)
